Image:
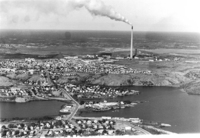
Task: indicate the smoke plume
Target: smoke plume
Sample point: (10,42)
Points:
(98,8)
(15,11)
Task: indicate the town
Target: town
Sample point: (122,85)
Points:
(31,80)
(80,68)
(78,126)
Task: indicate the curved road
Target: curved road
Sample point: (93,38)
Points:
(78,105)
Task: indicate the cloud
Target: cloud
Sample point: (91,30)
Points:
(24,11)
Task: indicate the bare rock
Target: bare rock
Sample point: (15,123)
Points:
(4,81)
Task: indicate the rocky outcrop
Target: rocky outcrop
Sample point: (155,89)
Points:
(192,87)
(4,81)
(77,78)
(36,78)
(193,74)
(177,78)
(11,75)
(112,80)
(172,79)
(56,93)
(23,76)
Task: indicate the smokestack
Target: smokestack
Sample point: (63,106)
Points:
(131,49)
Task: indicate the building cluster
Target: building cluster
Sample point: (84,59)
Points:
(36,128)
(96,91)
(39,91)
(7,70)
(31,65)
(37,82)
(97,127)
(77,91)
(104,106)
(56,66)
(58,128)
(39,77)
(133,120)
(98,66)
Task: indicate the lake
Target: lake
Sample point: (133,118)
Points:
(164,104)
(30,109)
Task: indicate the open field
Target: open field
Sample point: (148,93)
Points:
(157,51)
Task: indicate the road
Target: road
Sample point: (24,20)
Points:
(77,105)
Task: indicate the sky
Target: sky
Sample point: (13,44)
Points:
(144,15)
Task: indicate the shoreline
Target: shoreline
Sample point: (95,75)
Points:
(140,124)
(80,115)
(33,100)
(152,78)
(142,79)
(86,99)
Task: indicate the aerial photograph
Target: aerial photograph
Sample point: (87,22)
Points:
(82,68)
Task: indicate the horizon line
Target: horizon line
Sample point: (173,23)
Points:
(16,29)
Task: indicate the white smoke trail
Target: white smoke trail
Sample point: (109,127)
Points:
(27,10)
(98,8)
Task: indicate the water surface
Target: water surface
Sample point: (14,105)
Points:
(30,109)
(164,104)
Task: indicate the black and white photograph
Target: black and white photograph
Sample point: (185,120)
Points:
(96,68)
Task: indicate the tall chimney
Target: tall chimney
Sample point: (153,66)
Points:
(131,50)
